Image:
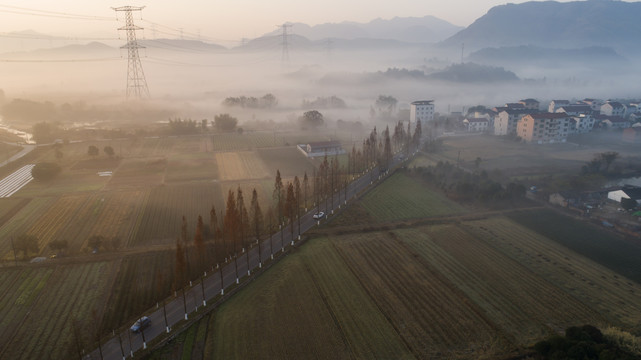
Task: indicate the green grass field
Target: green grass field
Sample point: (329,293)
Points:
(586,239)
(39,305)
(307,306)
(401,197)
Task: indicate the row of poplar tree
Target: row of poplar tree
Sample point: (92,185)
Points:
(238,227)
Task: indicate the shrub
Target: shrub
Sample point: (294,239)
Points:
(45,171)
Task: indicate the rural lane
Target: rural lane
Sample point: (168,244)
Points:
(188,300)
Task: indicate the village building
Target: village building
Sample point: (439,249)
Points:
(531,104)
(582,124)
(612,122)
(594,104)
(544,128)
(506,120)
(480,124)
(422,111)
(556,104)
(323,148)
(613,108)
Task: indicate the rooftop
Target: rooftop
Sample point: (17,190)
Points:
(548,115)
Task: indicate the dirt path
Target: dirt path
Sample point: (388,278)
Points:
(445,219)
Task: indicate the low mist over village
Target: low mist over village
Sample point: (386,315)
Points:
(370,183)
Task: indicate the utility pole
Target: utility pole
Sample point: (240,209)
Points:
(136,82)
(285,52)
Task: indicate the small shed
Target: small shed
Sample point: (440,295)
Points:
(322,148)
(628,192)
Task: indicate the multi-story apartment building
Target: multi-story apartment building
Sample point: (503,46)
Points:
(613,108)
(544,128)
(582,124)
(422,111)
(505,122)
(595,104)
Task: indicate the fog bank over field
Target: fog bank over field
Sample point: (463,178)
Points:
(191,79)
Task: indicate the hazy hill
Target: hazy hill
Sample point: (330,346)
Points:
(593,56)
(552,24)
(425,29)
(181,45)
(92,49)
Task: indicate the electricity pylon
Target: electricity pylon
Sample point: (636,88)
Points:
(285,54)
(136,82)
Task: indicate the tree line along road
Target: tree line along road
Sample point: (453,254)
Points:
(188,300)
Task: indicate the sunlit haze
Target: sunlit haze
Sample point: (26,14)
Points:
(226,21)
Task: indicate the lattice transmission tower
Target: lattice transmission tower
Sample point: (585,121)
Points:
(285,54)
(136,82)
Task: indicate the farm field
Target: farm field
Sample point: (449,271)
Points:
(138,172)
(289,160)
(514,157)
(165,206)
(20,222)
(402,197)
(39,305)
(14,182)
(142,280)
(612,295)
(464,290)
(154,182)
(240,166)
(191,167)
(588,240)
(301,309)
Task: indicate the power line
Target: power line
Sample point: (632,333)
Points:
(46,13)
(58,61)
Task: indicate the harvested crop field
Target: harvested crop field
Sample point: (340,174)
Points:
(240,166)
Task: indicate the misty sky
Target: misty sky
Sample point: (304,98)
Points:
(222,21)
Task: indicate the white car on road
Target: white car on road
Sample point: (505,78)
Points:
(319,215)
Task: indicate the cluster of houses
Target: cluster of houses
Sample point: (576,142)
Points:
(528,121)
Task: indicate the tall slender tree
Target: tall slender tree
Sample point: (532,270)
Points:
(181,266)
(230,224)
(297,195)
(387,151)
(278,195)
(290,204)
(257,223)
(183,230)
(270,221)
(199,243)
(305,188)
(213,221)
(243,222)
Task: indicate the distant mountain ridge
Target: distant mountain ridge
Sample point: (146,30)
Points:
(615,24)
(427,29)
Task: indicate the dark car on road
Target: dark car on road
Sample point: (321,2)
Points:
(140,324)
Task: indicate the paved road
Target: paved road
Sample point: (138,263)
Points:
(25,150)
(125,344)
